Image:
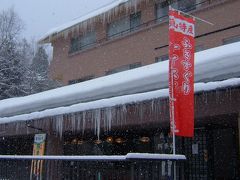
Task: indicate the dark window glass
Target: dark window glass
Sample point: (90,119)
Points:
(231,40)
(124,25)
(199,48)
(82,42)
(162,10)
(86,78)
(116,28)
(162,58)
(186,5)
(124,68)
(135,20)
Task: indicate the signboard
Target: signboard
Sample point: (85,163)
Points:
(181,73)
(38,150)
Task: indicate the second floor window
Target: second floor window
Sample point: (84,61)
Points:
(162,58)
(124,25)
(231,40)
(86,78)
(124,68)
(187,5)
(82,42)
(161,10)
(199,48)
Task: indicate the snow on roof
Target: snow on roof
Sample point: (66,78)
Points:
(47,37)
(114,101)
(210,65)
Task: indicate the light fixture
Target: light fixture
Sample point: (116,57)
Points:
(109,139)
(66,142)
(144,139)
(119,140)
(74,141)
(80,141)
(97,141)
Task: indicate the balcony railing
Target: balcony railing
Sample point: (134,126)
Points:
(132,166)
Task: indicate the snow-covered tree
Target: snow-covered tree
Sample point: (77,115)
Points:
(39,69)
(11,65)
(21,72)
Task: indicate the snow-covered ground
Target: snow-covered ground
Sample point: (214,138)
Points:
(210,65)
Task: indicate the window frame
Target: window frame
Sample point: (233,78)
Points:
(230,40)
(161,58)
(79,43)
(128,28)
(82,79)
(123,68)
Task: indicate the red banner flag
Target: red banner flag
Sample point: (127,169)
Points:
(181,73)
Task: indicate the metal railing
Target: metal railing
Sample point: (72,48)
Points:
(129,167)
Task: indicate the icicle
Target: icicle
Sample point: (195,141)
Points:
(124,114)
(230,94)
(105,128)
(97,119)
(59,124)
(83,121)
(152,104)
(65,33)
(73,121)
(17,127)
(94,121)
(108,117)
(78,121)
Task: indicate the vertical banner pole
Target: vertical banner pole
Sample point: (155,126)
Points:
(173,126)
(173,130)
(173,120)
(181,76)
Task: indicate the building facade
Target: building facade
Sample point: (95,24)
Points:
(131,36)
(80,119)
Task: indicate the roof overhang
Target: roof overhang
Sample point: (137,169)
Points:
(210,65)
(83,21)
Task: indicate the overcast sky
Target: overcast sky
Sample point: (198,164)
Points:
(39,16)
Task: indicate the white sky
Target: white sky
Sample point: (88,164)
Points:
(39,16)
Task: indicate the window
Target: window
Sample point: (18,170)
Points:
(162,58)
(124,68)
(135,21)
(81,79)
(186,5)
(83,42)
(162,10)
(124,25)
(199,48)
(231,40)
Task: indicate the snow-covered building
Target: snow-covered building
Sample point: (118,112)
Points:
(124,35)
(128,111)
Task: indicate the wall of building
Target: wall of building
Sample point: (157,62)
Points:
(141,45)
